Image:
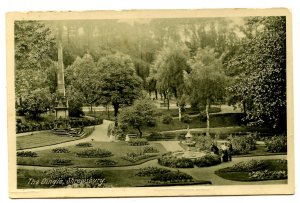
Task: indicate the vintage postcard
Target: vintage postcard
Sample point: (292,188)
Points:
(150,103)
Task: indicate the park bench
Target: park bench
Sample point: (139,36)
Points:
(130,136)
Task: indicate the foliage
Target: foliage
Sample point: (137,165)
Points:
(186,118)
(137,156)
(27,154)
(167,119)
(203,142)
(243,144)
(172,176)
(268,175)
(259,68)
(138,142)
(120,86)
(151,171)
(150,149)
(277,143)
(207,160)
(252,165)
(154,136)
(174,162)
(94,153)
(61,161)
(60,150)
(84,144)
(105,162)
(138,115)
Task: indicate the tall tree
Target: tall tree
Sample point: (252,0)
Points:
(119,83)
(206,80)
(261,82)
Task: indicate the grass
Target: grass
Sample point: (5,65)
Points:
(271,165)
(118,149)
(41,139)
(114,178)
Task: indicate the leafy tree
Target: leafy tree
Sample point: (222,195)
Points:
(120,85)
(138,115)
(261,81)
(206,80)
(34,45)
(75,101)
(84,76)
(37,102)
(171,63)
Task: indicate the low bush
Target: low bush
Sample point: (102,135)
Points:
(251,165)
(174,162)
(167,119)
(268,175)
(186,118)
(203,142)
(151,171)
(61,162)
(94,153)
(150,149)
(106,162)
(138,142)
(60,150)
(84,144)
(27,154)
(277,144)
(172,177)
(136,156)
(208,160)
(243,144)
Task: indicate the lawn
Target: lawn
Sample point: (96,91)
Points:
(41,139)
(118,150)
(269,165)
(114,178)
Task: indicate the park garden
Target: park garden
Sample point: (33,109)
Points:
(145,101)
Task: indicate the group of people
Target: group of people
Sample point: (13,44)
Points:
(226,150)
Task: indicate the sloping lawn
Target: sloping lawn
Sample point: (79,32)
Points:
(118,149)
(43,139)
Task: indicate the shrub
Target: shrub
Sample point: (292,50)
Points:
(208,160)
(243,144)
(94,153)
(84,144)
(203,142)
(174,162)
(150,149)
(251,165)
(172,177)
(61,161)
(151,122)
(202,116)
(151,171)
(136,156)
(167,119)
(277,144)
(27,154)
(268,175)
(60,150)
(138,142)
(186,118)
(106,162)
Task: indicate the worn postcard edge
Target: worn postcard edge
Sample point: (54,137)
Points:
(147,191)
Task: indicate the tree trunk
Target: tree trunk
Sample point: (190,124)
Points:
(207,116)
(168,101)
(156,94)
(107,111)
(116,111)
(141,133)
(179,112)
(91,107)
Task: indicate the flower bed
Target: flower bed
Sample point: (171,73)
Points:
(277,144)
(136,156)
(268,175)
(94,153)
(208,160)
(251,165)
(105,162)
(60,150)
(27,154)
(171,161)
(150,149)
(151,171)
(84,144)
(61,162)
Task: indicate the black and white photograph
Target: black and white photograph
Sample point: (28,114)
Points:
(147,101)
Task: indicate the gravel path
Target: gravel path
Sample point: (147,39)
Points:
(170,146)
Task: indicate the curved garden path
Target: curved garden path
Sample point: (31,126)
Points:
(203,173)
(99,135)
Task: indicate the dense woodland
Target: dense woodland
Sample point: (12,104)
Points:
(196,61)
